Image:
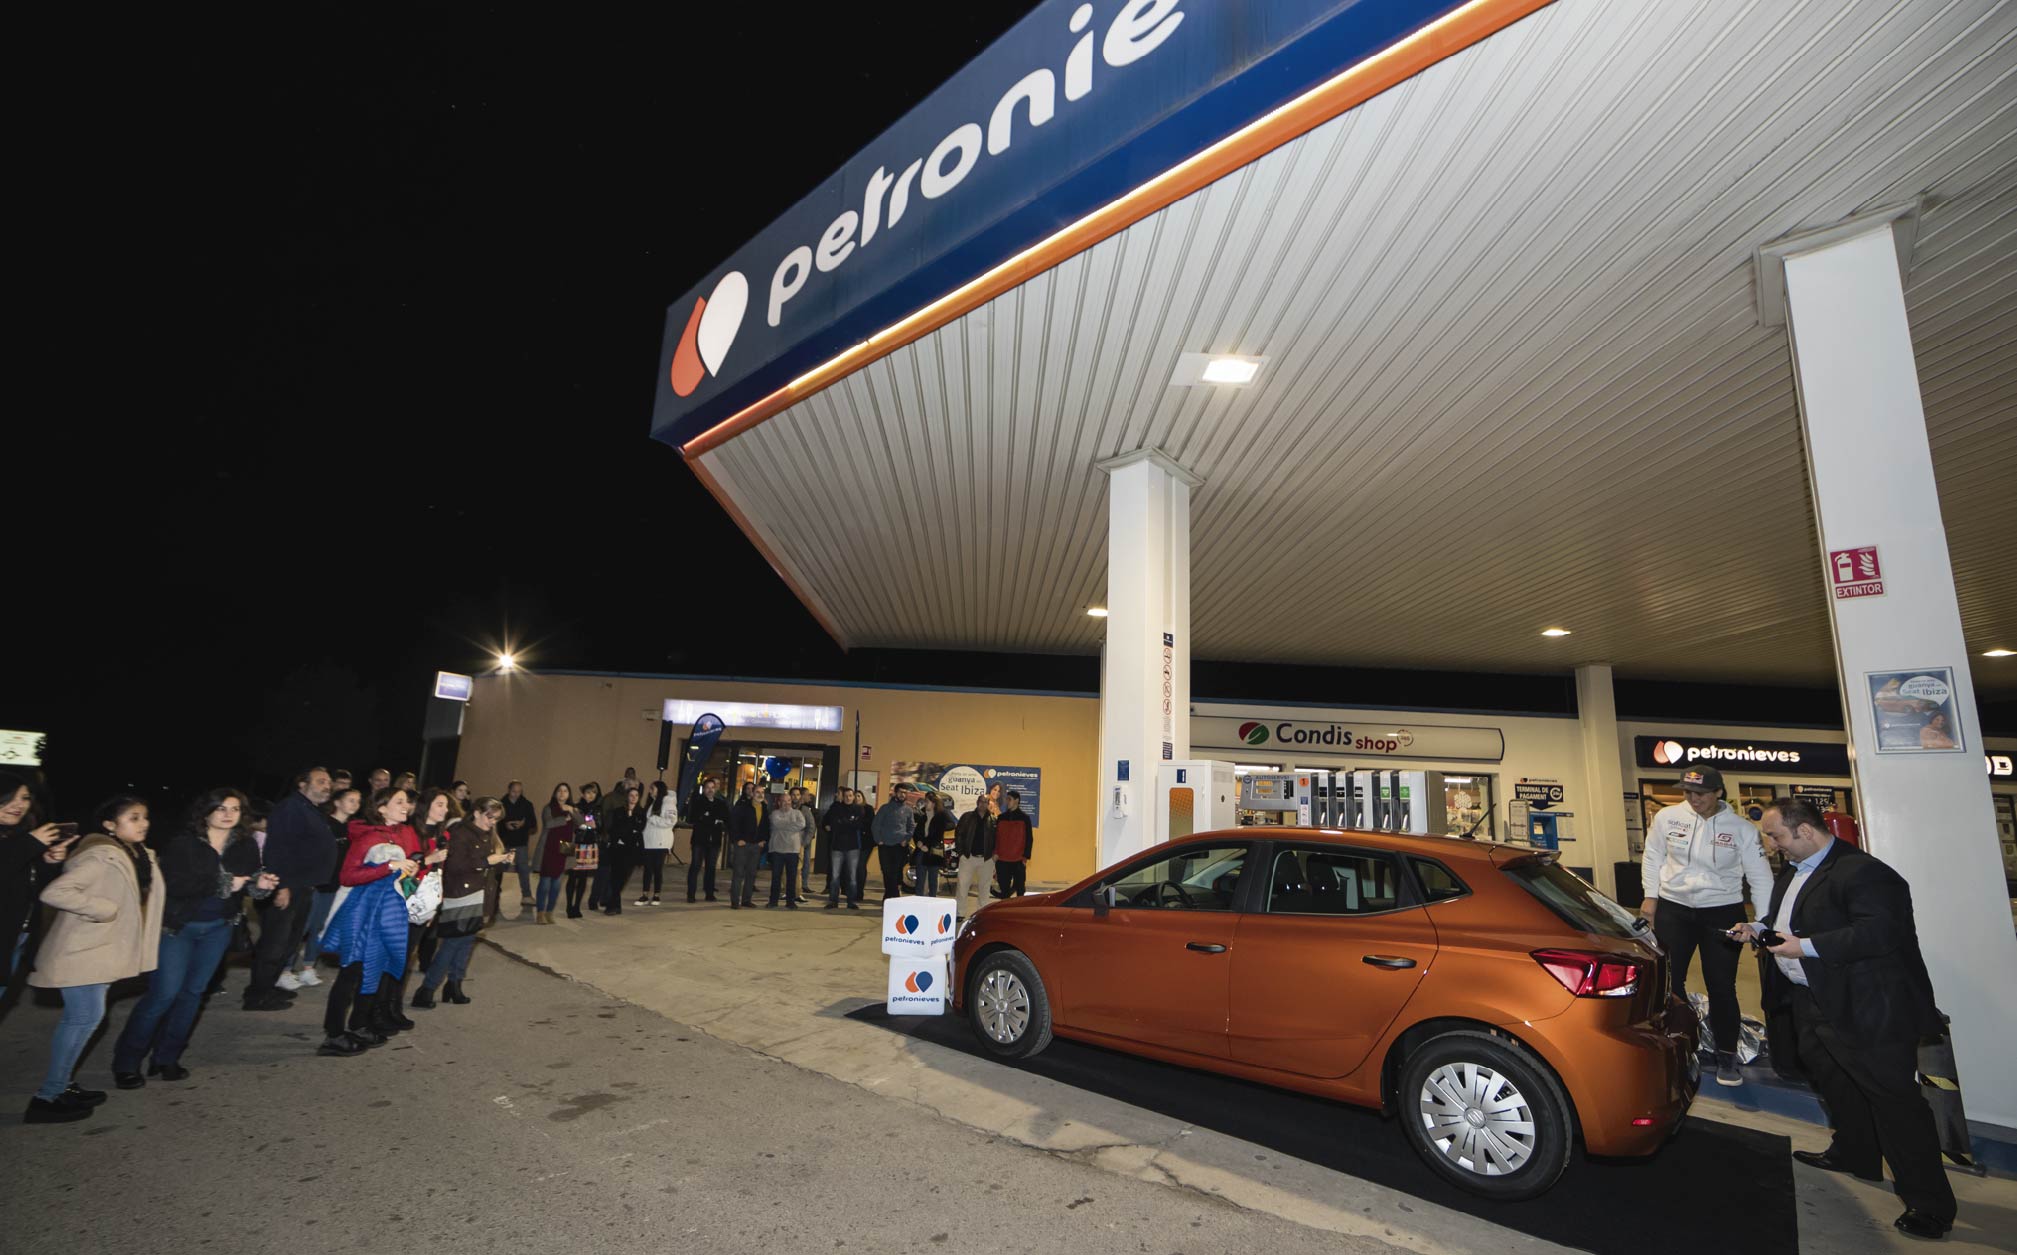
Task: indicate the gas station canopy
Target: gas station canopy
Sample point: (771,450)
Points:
(1497,265)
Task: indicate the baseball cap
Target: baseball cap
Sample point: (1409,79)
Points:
(1707,779)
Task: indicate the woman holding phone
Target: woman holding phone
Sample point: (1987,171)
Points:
(107,928)
(30,851)
(204,869)
(473,849)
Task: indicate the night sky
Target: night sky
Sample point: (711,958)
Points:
(371,378)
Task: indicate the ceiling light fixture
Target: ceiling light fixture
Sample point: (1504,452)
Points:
(1230,369)
(1554,631)
(1999,653)
(1096,612)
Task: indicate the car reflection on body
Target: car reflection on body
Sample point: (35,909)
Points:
(1502,1008)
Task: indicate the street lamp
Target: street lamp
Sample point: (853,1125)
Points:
(506,663)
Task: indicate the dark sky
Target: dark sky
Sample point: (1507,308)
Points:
(375,313)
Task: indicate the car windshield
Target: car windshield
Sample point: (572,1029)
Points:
(1574,901)
(1197,879)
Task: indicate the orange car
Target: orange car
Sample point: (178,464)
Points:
(1499,1005)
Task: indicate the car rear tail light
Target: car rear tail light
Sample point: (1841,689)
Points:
(1588,974)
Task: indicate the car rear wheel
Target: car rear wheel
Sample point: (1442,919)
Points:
(1007,1005)
(1485,1115)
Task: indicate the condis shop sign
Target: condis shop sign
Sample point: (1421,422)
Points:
(1078,104)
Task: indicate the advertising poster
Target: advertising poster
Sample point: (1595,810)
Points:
(1915,711)
(966,782)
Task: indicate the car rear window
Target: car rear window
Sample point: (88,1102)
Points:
(1574,901)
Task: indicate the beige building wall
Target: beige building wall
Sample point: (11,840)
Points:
(546,728)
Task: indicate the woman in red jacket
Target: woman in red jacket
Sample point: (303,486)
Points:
(384,819)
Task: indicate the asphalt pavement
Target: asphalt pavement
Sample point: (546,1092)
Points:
(548,1116)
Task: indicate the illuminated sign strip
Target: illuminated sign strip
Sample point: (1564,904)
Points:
(756,714)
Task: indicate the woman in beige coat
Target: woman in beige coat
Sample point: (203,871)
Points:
(107,928)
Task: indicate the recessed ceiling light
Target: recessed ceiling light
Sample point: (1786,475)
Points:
(1554,631)
(1999,653)
(1097,612)
(1230,369)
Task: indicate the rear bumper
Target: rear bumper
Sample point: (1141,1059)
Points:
(1619,1074)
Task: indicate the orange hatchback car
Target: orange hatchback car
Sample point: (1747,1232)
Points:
(1498,1005)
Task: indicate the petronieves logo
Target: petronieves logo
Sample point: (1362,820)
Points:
(944,924)
(1253,733)
(710,330)
(918,982)
(1667,752)
(906,925)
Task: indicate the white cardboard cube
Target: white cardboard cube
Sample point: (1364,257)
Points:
(916,927)
(917,986)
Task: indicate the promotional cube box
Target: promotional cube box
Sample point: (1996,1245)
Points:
(917,927)
(917,986)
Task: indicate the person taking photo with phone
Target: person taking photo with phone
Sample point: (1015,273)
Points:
(30,853)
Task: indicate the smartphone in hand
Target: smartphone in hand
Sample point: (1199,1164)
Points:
(66,831)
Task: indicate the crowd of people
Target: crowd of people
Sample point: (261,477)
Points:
(383,881)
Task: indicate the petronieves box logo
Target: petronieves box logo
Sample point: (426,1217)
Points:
(906,926)
(1253,733)
(710,330)
(918,982)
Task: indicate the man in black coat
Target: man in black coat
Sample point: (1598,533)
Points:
(709,816)
(299,852)
(1849,970)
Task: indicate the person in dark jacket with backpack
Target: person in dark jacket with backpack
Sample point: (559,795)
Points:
(709,815)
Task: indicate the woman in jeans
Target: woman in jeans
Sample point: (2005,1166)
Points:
(341,807)
(107,928)
(473,849)
(549,853)
(200,909)
(928,846)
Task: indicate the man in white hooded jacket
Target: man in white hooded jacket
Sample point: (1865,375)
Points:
(1698,855)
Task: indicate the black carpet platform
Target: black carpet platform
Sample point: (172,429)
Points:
(1602,1206)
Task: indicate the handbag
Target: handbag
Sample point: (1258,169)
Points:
(425,899)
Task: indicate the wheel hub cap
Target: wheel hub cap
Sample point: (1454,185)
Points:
(1002,1006)
(1477,1118)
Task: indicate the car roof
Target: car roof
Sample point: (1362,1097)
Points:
(1441,847)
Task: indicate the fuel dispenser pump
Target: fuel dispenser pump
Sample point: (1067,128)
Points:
(1284,798)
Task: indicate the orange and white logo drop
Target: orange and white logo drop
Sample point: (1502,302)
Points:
(710,330)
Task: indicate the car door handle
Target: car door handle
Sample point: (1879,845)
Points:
(1205,947)
(1387,960)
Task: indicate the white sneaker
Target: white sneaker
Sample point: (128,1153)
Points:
(306,976)
(288,980)
(642,902)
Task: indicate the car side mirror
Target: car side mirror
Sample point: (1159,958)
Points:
(1103,900)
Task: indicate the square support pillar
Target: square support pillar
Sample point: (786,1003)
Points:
(1915,742)
(1145,667)
(1603,777)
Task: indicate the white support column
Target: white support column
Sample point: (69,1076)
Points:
(1597,717)
(1924,799)
(1145,668)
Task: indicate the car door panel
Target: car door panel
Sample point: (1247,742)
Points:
(1135,974)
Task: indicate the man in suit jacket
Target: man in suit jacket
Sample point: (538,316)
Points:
(1849,970)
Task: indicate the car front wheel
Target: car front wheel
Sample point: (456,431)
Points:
(1007,1005)
(1485,1115)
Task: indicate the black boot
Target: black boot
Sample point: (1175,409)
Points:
(452,992)
(398,1010)
(423,998)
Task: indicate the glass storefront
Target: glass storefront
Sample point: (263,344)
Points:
(774,766)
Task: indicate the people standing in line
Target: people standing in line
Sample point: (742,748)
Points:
(589,854)
(1015,841)
(846,832)
(107,928)
(660,817)
(1849,970)
(342,806)
(369,932)
(473,849)
(892,828)
(623,845)
(790,828)
(928,846)
(745,847)
(974,844)
(200,908)
(520,826)
(297,852)
(551,854)
(709,815)
(30,853)
(1699,852)
(385,820)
